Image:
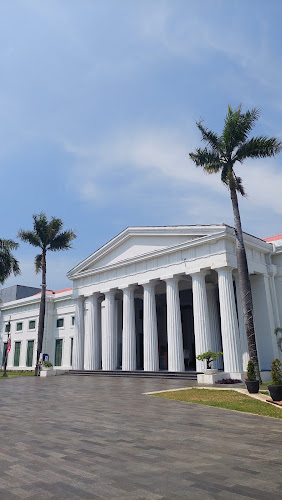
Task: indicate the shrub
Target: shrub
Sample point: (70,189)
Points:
(251,374)
(47,364)
(229,381)
(276,372)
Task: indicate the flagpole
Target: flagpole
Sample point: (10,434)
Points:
(8,328)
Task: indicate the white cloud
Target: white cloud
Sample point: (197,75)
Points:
(160,152)
(263,180)
(163,153)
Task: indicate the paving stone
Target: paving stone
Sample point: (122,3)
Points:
(77,438)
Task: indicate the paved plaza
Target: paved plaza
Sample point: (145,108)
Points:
(100,438)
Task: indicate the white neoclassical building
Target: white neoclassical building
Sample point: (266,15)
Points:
(153,298)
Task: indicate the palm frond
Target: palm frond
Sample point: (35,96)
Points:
(224,174)
(29,237)
(54,227)
(8,264)
(8,245)
(62,241)
(239,185)
(40,226)
(209,136)
(258,147)
(209,160)
(38,263)
(237,127)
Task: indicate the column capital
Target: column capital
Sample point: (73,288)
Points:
(170,278)
(148,283)
(127,287)
(110,291)
(94,295)
(272,270)
(198,272)
(80,298)
(227,269)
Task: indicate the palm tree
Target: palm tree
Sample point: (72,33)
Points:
(8,264)
(48,236)
(220,155)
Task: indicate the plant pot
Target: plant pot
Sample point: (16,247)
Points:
(275,392)
(252,386)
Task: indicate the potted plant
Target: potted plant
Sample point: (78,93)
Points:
(47,365)
(209,357)
(252,383)
(275,389)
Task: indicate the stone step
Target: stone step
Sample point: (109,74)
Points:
(189,375)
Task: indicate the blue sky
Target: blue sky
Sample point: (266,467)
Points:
(98,103)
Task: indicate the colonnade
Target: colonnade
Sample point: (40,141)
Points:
(95,342)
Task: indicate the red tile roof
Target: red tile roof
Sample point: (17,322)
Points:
(50,292)
(273,238)
(64,290)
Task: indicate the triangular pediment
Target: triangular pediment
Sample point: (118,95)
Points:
(137,242)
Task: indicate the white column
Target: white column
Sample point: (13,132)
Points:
(150,329)
(174,327)
(242,331)
(216,344)
(109,330)
(201,318)
(78,338)
(128,330)
(232,356)
(271,315)
(92,348)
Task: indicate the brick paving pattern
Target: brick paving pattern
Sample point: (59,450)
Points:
(102,439)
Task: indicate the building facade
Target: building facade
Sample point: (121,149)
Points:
(153,298)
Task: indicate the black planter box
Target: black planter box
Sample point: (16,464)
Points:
(252,386)
(275,392)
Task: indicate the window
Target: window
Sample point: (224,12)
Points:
(19,327)
(71,347)
(58,352)
(29,354)
(31,325)
(72,320)
(7,327)
(17,353)
(60,322)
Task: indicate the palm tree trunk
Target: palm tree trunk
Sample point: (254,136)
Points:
(244,283)
(41,314)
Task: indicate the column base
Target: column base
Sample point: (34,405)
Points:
(212,378)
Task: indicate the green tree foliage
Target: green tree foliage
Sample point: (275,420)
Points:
(47,236)
(209,357)
(251,374)
(220,154)
(276,372)
(8,264)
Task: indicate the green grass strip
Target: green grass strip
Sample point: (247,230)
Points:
(16,373)
(231,400)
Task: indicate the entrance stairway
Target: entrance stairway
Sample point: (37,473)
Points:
(188,375)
